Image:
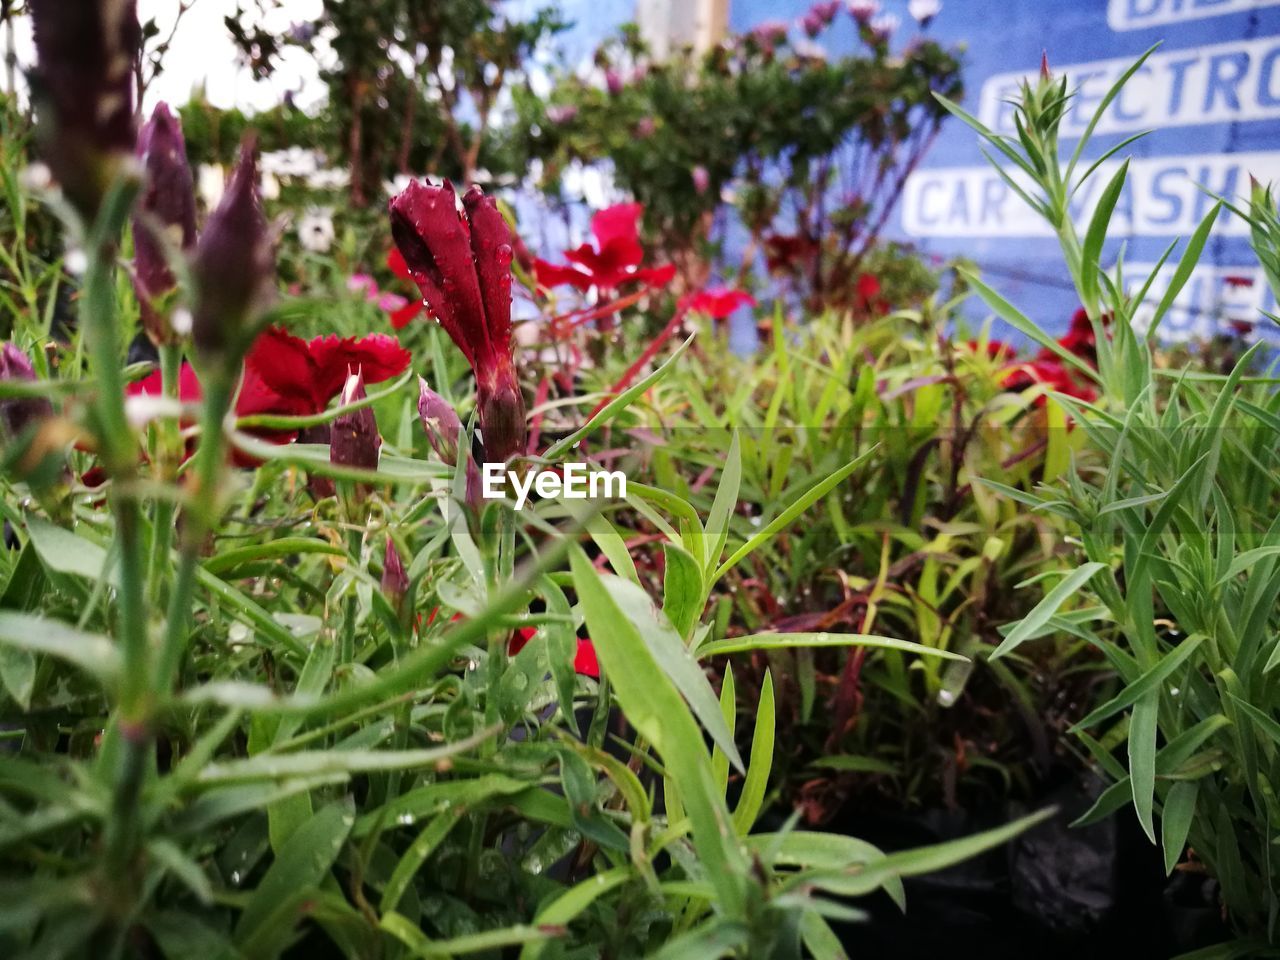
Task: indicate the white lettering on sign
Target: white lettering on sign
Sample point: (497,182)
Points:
(1137,14)
(1221,83)
(1162,198)
(1216,300)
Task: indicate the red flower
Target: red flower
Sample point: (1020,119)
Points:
(1053,373)
(584,660)
(288,375)
(868,299)
(785,252)
(613,261)
(717,302)
(410,311)
(462,265)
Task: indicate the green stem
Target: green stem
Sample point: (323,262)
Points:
(168,454)
(118,454)
(197,522)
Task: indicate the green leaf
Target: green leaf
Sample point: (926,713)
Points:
(18,674)
(1142,759)
(432,835)
(228,561)
(852,763)
(668,649)
(1025,326)
(435,798)
(301,866)
(929,859)
(488,941)
(783,641)
(564,908)
(91,652)
(682,597)
(784,519)
(1148,682)
(722,508)
(62,551)
(1097,234)
(615,406)
(1047,607)
(1190,259)
(310,763)
(1175,821)
(757,781)
(654,707)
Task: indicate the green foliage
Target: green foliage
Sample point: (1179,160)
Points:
(1177,574)
(228,741)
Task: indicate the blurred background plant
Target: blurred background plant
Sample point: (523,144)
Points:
(809,146)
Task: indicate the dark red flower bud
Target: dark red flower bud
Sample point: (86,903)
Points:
(462,265)
(234,266)
(395,582)
(19,413)
(354,441)
(440,421)
(168,206)
(83,89)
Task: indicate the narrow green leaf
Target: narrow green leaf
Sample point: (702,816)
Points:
(91,652)
(784,519)
(1175,821)
(784,641)
(1047,607)
(757,782)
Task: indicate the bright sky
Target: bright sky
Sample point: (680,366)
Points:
(202,52)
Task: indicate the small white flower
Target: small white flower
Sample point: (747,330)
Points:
(924,10)
(37,177)
(142,408)
(863,10)
(331,179)
(211,181)
(315,230)
(809,49)
(181,321)
(270,186)
(75,262)
(884,25)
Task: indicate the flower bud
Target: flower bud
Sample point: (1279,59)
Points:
(234,265)
(354,441)
(82,86)
(168,204)
(440,421)
(19,413)
(613,81)
(462,265)
(395,582)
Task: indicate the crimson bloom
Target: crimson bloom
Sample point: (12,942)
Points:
(285,375)
(299,377)
(615,259)
(462,266)
(717,303)
(584,659)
